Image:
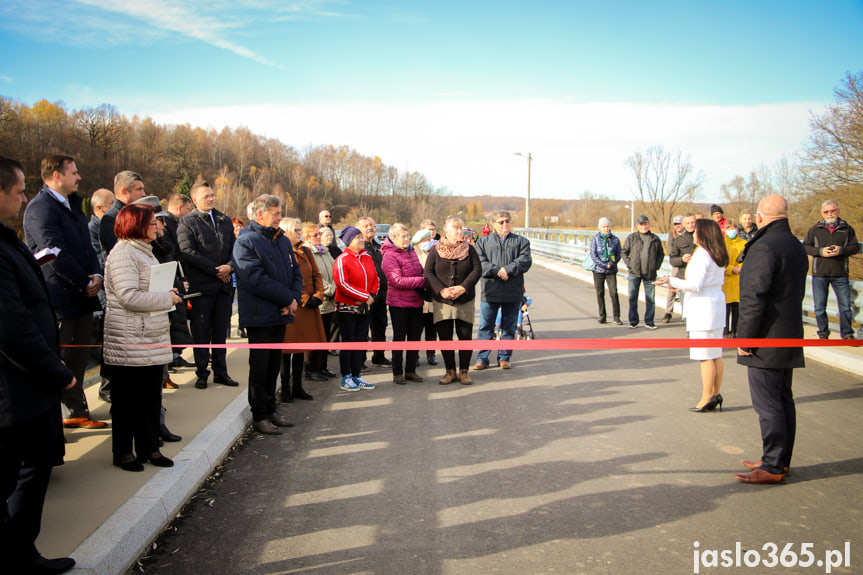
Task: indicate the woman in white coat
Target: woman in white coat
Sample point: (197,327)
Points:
(131,329)
(704,307)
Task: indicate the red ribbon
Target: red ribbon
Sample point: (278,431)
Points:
(528,345)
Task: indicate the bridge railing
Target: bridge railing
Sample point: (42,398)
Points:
(572,246)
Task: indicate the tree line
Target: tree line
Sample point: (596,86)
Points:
(237,163)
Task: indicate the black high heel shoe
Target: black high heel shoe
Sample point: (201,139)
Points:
(709,406)
(719,400)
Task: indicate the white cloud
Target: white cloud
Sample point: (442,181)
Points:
(469,146)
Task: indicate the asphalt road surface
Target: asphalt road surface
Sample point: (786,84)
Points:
(571,462)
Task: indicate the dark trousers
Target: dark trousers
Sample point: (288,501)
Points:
(23,484)
(210,319)
(599,283)
(772,400)
(430,331)
(378,326)
(353,327)
(136,408)
(407,326)
(291,373)
(264,367)
(464,330)
(732,316)
(76,331)
(318,357)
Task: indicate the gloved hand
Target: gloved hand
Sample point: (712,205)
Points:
(313,302)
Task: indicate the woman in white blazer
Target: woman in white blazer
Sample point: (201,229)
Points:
(131,328)
(704,307)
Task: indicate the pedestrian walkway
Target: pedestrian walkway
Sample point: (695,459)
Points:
(105,517)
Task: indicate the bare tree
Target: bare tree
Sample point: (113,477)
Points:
(835,152)
(665,180)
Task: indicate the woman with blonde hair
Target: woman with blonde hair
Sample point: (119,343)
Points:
(312,234)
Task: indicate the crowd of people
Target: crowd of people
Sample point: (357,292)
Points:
(162,279)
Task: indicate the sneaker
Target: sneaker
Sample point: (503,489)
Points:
(362,383)
(364,367)
(617,321)
(348,384)
(633,325)
(650,326)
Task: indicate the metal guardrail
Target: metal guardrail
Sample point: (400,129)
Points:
(572,246)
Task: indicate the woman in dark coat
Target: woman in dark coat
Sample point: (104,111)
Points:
(452,271)
(308,326)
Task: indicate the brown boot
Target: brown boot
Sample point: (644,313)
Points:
(448,377)
(464,378)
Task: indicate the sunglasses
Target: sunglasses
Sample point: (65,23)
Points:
(502,222)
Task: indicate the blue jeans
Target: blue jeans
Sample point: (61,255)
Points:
(650,305)
(842,289)
(487,316)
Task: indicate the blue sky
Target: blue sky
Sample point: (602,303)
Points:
(452,89)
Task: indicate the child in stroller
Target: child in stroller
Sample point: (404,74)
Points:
(523,318)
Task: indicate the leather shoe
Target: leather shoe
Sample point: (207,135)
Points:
(412,376)
(264,426)
(757,464)
(278,419)
(128,462)
(399,379)
(432,360)
(166,435)
(201,383)
(159,460)
(169,383)
(328,372)
(41,565)
(84,423)
(504,364)
(225,380)
(303,394)
(180,362)
(759,476)
(479,366)
(315,376)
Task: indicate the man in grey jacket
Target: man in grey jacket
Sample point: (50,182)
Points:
(643,255)
(505,258)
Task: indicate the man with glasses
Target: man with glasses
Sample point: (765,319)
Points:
(505,258)
(830,242)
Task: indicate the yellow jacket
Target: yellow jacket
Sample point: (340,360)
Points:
(731,287)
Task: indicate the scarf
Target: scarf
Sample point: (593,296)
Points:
(453,251)
(605,249)
(319,249)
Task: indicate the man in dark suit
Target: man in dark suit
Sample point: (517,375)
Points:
(54,219)
(128,187)
(772,284)
(206,238)
(32,375)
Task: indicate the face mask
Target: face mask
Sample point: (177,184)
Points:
(731,234)
(426,246)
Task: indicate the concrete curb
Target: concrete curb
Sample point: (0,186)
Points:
(118,542)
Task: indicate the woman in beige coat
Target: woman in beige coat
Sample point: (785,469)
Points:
(131,327)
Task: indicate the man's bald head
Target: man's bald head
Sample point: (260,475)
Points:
(772,208)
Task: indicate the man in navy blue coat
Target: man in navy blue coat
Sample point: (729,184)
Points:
(54,219)
(32,376)
(270,287)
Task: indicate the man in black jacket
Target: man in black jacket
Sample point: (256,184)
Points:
(206,238)
(32,375)
(128,187)
(643,255)
(831,242)
(54,219)
(772,284)
(680,248)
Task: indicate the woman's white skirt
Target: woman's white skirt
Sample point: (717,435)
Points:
(702,353)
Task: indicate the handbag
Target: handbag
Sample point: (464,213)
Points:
(587,263)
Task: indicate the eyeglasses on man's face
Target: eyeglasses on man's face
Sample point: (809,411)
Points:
(501,222)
